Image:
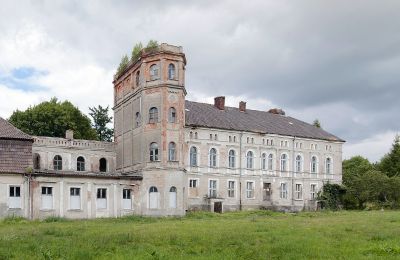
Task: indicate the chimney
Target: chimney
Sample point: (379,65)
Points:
(69,134)
(242,106)
(219,102)
(277,111)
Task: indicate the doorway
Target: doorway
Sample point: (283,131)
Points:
(218,207)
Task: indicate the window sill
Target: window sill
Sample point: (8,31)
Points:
(14,208)
(74,210)
(46,210)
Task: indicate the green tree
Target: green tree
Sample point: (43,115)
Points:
(123,65)
(53,118)
(317,123)
(151,45)
(390,163)
(354,167)
(331,196)
(100,120)
(136,51)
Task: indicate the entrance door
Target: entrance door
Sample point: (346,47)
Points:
(267,191)
(218,207)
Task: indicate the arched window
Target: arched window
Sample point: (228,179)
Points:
(172,115)
(196,136)
(153,152)
(154,72)
(153,115)
(137,119)
(191,135)
(171,151)
(328,166)
(103,165)
(154,197)
(57,163)
(232,163)
(284,162)
(172,197)
(80,164)
(270,161)
(299,163)
(36,161)
(250,160)
(314,164)
(264,161)
(213,157)
(137,78)
(193,156)
(171,71)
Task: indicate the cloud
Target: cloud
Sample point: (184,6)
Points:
(336,61)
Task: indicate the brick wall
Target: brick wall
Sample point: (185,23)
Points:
(15,156)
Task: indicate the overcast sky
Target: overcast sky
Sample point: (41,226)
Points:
(336,60)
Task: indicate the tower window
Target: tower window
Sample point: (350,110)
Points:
(153,152)
(171,71)
(153,115)
(172,115)
(154,72)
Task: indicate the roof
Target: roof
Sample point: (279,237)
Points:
(8,131)
(207,115)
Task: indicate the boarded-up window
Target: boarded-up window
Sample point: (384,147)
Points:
(126,199)
(47,197)
(75,198)
(15,197)
(154,197)
(101,198)
(172,197)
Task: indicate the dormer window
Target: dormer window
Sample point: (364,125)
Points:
(171,71)
(154,72)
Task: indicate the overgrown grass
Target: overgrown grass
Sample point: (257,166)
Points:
(204,235)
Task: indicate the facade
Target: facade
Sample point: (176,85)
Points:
(171,155)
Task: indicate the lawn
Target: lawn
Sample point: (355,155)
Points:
(240,235)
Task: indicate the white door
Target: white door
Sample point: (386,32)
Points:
(172,200)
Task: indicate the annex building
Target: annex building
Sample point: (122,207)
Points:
(169,155)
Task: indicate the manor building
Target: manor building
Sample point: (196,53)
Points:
(171,155)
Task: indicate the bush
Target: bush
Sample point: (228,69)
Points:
(331,196)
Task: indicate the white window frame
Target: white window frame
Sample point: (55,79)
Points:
(100,200)
(270,162)
(196,164)
(298,192)
(45,197)
(264,161)
(316,164)
(213,158)
(283,193)
(230,189)
(313,193)
(190,181)
(330,165)
(287,163)
(212,190)
(232,159)
(70,197)
(126,202)
(250,190)
(301,161)
(250,160)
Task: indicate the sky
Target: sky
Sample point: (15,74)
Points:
(335,60)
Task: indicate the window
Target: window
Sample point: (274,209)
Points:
(270,161)
(250,160)
(153,115)
(231,159)
(171,151)
(211,136)
(15,197)
(231,189)
(234,139)
(250,189)
(299,191)
(172,197)
(314,164)
(299,163)
(103,165)
(36,161)
(263,161)
(75,198)
(196,136)
(213,158)
(284,191)
(101,201)
(80,164)
(284,162)
(57,163)
(126,199)
(137,77)
(171,71)
(230,139)
(137,119)
(154,72)
(47,198)
(313,190)
(153,198)
(328,166)
(193,183)
(172,115)
(193,156)
(212,189)
(191,135)
(216,137)
(153,152)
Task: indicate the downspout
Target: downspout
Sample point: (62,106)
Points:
(293,169)
(240,171)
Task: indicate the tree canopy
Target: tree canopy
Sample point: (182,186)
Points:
(101,118)
(52,118)
(317,123)
(390,163)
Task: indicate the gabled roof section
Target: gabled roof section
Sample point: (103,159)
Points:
(206,115)
(8,131)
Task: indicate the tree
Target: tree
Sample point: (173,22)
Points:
(316,123)
(331,196)
(354,167)
(151,45)
(123,65)
(100,120)
(390,163)
(52,118)
(136,51)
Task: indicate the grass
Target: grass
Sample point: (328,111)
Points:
(204,235)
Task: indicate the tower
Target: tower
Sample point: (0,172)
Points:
(149,114)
